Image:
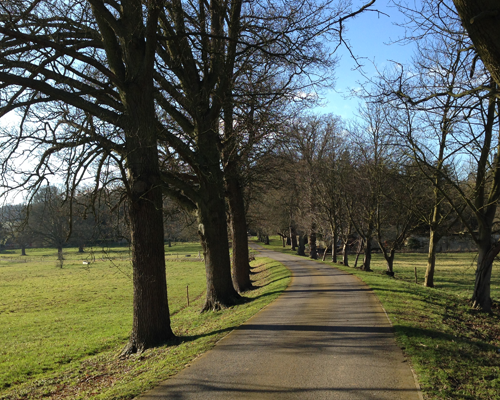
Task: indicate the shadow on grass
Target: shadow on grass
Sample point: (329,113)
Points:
(441,353)
(270,282)
(7,252)
(191,338)
(265,295)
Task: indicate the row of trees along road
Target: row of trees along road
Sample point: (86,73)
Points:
(136,93)
(180,99)
(422,156)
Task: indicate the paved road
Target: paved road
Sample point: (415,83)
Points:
(326,337)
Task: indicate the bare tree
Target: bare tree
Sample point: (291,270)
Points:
(81,74)
(99,84)
(48,219)
(432,98)
(209,54)
(457,98)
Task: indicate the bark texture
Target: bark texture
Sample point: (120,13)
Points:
(481,297)
(151,319)
(240,264)
(486,205)
(481,19)
(212,221)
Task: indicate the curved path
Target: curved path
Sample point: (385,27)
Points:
(325,337)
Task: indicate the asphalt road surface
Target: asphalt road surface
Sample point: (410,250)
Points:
(325,337)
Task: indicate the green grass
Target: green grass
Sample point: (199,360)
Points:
(454,350)
(61,329)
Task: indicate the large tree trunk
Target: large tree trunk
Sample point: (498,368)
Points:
(480,19)
(151,318)
(213,224)
(23,250)
(487,207)
(431,259)
(240,257)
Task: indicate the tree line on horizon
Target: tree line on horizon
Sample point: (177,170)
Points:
(50,221)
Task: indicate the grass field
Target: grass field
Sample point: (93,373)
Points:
(454,350)
(61,328)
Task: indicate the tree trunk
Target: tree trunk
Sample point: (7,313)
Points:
(481,296)
(23,250)
(480,19)
(367,255)
(487,206)
(313,249)
(80,249)
(293,237)
(151,320)
(151,317)
(356,259)
(389,259)
(212,226)
(334,245)
(431,259)
(302,245)
(325,252)
(358,253)
(60,256)
(345,254)
(240,264)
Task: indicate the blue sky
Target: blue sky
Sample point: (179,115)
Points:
(370,35)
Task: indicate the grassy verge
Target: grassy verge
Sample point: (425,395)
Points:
(62,328)
(454,350)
